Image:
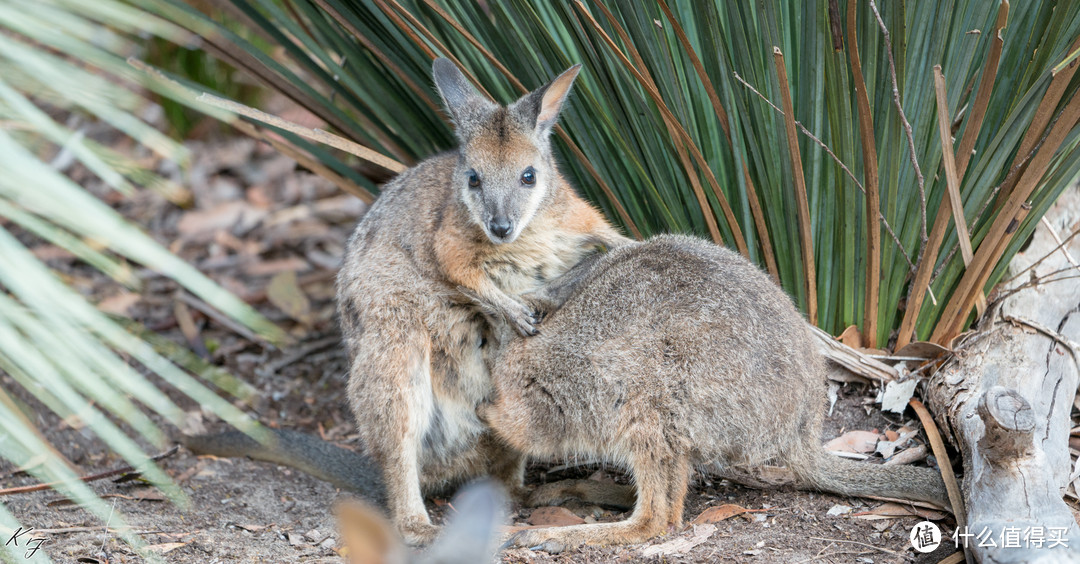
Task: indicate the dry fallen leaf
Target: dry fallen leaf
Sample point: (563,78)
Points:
(907,456)
(285,293)
(680,545)
(165,547)
(119,304)
(854,441)
(893,510)
(268,267)
(200,225)
(718,513)
(851,337)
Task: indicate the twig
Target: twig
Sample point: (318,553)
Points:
(821,144)
(1057,239)
(298,354)
(1037,281)
(882,549)
(90,478)
(105,533)
(1048,255)
(317,135)
(223,320)
(114,530)
(904,120)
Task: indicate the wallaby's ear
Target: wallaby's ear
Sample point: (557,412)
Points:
(470,534)
(543,104)
(464,103)
(367,536)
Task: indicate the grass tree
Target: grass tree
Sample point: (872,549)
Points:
(882,162)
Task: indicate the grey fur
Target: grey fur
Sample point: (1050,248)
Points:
(669,356)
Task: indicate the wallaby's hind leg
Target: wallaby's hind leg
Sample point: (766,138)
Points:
(662,483)
(588,491)
(506,465)
(396,370)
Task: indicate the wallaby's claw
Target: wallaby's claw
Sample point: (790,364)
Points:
(533,539)
(525,320)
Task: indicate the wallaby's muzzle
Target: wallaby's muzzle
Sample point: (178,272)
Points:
(501,227)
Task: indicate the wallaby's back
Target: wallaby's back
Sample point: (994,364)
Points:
(677,354)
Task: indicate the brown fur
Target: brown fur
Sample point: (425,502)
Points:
(666,357)
(416,370)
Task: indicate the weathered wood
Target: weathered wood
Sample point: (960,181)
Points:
(1005,402)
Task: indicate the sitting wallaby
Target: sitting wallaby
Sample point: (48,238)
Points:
(468,538)
(669,356)
(494,217)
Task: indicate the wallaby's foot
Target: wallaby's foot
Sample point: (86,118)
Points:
(589,491)
(558,539)
(417,531)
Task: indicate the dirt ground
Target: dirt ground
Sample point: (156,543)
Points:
(274,235)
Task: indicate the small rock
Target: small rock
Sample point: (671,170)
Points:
(314,536)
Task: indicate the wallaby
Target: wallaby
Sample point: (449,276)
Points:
(668,356)
(468,538)
(493,217)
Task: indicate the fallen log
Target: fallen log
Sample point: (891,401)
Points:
(1005,402)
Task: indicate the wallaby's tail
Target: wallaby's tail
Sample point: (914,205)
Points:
(344,468)
(839,475)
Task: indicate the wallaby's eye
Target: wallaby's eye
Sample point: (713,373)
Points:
(474,179)
(528,177)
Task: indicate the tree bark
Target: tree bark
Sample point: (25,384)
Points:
(1005,402)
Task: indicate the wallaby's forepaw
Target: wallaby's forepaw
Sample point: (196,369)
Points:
(524,318)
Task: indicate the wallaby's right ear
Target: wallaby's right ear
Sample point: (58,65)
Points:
(465,104)
(471,533)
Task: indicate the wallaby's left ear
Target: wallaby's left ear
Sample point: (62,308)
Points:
(367,535)
(544,103)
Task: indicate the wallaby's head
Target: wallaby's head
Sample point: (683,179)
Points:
(505,171)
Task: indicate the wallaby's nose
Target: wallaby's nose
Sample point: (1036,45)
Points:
(500,226)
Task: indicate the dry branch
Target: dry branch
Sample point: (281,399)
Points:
(1005,400)
(90,477)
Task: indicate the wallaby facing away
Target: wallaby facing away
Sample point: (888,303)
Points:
(468,538)
(669,356)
